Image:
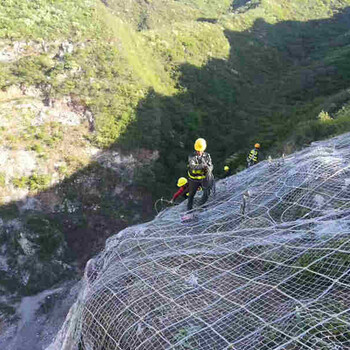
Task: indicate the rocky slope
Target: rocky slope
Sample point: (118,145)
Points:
(265,265)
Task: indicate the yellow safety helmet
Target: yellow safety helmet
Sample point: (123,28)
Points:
(226,168)
(181,181)
(257,145)
(200,145)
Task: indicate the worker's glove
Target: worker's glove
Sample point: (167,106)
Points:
(171,201)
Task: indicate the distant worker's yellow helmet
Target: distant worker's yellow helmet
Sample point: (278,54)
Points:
(257,145)
(226,168)
(200,145)
(181,181)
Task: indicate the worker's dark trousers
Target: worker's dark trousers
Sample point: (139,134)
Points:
(193,187)
(250,163)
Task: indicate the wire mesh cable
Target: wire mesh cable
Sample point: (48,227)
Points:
(265,266)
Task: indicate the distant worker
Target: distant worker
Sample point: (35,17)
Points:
(200,172)
(253,156)
(183,190)
(226,170)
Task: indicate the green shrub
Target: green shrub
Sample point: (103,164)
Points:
(2,179)
(63,170)
(21,182)
(324,116)
(38,182)
(48,19)
(37,147)
(34,182)
(48,237)
(29,70)
(145,176)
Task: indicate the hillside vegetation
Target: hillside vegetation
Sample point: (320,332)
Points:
(100,102)
(156,74)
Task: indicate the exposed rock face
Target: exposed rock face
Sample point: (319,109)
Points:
(33,255)
(49,138)
(60,113)
(17,162)
(31,204)
(12,51)
(35,137)
(244,5)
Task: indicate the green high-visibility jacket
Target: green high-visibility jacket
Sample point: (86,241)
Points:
(253,156)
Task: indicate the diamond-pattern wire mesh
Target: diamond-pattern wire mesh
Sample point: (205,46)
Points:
(265,266)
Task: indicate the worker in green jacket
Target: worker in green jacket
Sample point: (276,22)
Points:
(253,156)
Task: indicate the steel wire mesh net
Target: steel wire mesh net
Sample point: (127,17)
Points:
(265,266)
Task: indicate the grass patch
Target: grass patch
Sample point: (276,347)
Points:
(20,182)
(44,136)
(40,19)
(34,182)
(2,179)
